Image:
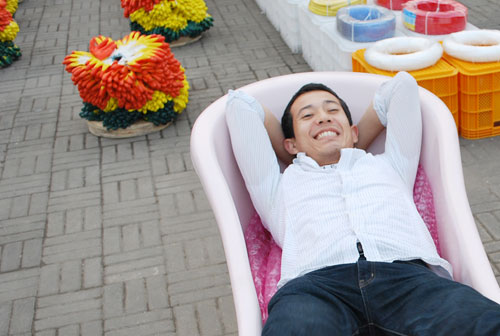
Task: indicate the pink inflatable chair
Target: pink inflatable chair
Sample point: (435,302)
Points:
(214,162)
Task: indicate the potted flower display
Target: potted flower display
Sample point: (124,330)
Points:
(129,87)
(179,21)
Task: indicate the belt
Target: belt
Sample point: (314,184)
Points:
(413,261)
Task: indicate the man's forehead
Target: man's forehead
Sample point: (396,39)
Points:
(312,98)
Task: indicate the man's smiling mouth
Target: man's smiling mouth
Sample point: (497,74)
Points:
(325,134)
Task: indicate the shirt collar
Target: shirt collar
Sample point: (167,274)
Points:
(348,156)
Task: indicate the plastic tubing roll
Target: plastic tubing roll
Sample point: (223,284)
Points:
(404,53)
(391,4)
(365,23)
(331,7)
(434,17)
(474,45)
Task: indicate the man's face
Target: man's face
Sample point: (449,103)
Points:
(321,127)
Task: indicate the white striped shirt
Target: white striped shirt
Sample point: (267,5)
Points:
(317,214)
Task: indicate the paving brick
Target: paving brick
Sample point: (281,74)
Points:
(111,193)
(74,221)
(75,246)
(132,270)
(49,280)
(71,275)
(55,223)
(113,296)
(175,183)
(57,321)
(92,218)
(186,320)
(491,223)
(208,317)
(20,206)
(38,203)
(76,159)
(91,328)
(140,318)
(74,198)
(130,212)
(22,315)
(157,296)
(227,313)
(24,185)
(32,252)
(5,208)
(5,314)
(112,240)
(135,298)
(71,330)
(11,257)
(153,328)
(118,171)
(18,284)
(187,223)
(150,233)
(168,206)
(92,272)
(175,257)
(75,178)
(128,190)
(59,180)
(131,239)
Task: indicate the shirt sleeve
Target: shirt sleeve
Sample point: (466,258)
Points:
(397,105)
(253,152)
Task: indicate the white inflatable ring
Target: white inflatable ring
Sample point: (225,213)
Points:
(403,53)
(474,45)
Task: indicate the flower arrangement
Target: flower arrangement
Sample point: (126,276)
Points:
(126,81)
(9,52)
(174,19)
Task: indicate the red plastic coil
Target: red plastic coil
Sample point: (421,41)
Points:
(392,4)
(434,17)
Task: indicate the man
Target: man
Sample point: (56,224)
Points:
(357,257)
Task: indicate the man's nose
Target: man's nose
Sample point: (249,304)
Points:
(324,118)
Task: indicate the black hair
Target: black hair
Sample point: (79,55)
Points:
(287,119)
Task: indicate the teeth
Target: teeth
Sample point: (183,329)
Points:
(327,133)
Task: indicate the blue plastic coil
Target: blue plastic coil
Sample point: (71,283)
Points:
(365,23)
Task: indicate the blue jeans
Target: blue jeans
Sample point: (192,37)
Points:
(375,298)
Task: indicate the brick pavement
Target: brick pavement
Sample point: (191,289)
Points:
(115,237)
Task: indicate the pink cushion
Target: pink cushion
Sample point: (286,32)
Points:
(265,256)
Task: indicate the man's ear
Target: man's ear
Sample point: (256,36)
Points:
(290,147)
(354,132)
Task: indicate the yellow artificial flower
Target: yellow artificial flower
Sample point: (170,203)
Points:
(171,14)
(112,105)
(180,102)
(10,32)
(12,6)
(157,102)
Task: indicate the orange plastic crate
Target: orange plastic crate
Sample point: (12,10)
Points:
(441,79)
(479,97)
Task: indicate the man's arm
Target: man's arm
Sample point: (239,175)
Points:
(253,151)
(273,128)
(397,105)
(369,128)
